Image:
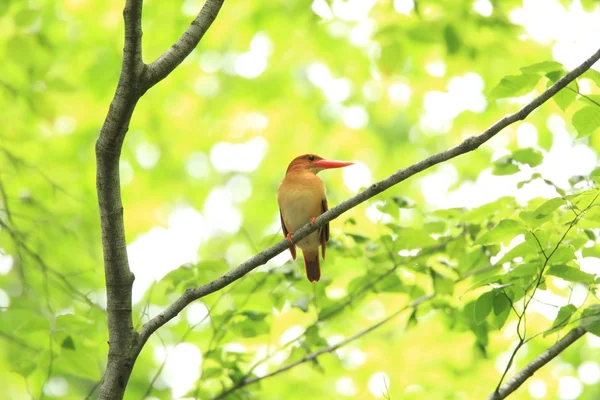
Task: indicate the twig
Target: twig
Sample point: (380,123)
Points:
(526,302)
(328,349)
(466,146)
(516,381)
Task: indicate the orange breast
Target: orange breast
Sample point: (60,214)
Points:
(299,197)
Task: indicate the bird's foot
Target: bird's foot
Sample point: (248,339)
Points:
(289,238)
(312,220)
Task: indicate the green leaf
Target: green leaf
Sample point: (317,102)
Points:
(570,274)
(313,338)
(254,315)
(593,251)
(441,284)
(514,86)
(586,120)
(554,76)
(501,303)
(302,303)
(524,250)
(563,317)
(250,328)
(390,208)
(410,238)
(412,319)
(483,306)
(529,156)
(523,271)
(503,233)
(544,66)
(499,320)
(548,207)
(563,255)
(212,372)
(359,239)
(452,40)
(68,343)
(390,283)
(438,227)
(593,75)
(565,97)
(590,319)
(505,169)
(505,166)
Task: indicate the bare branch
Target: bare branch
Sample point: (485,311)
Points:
(328,349)
(466,146)
(119,278)
(516,381)
(170,59)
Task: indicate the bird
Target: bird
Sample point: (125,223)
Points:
(301,199)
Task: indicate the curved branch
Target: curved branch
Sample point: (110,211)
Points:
(119,278)
(516,381)
(133,82)
(328,349)
(466,146)
(170,59)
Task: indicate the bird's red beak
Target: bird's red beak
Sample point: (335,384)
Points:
(325,164)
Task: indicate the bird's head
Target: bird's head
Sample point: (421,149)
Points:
(313,163)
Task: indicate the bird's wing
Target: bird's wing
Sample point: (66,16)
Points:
(325,229)
(285,233)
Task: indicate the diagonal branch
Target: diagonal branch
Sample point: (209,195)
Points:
(516,381)
(170,59)
(466,146)
(328,349)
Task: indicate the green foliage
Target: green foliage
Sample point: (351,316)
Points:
(590,319)
(587,120)
(482,264)
(514,85)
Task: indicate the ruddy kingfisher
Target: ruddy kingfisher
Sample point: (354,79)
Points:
(301,198)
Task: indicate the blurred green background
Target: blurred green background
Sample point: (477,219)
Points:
(382,83)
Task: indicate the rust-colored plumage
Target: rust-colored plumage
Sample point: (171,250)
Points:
(301,198)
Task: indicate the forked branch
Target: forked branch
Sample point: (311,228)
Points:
(516,381)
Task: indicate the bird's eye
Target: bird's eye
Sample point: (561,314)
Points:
(311,158)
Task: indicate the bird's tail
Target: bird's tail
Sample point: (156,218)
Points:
(312,265)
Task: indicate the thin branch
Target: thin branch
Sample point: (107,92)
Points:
(328,349)
(354,297)
(584,96)
(466,146)
(516,381)
(538,282)
(170,59)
